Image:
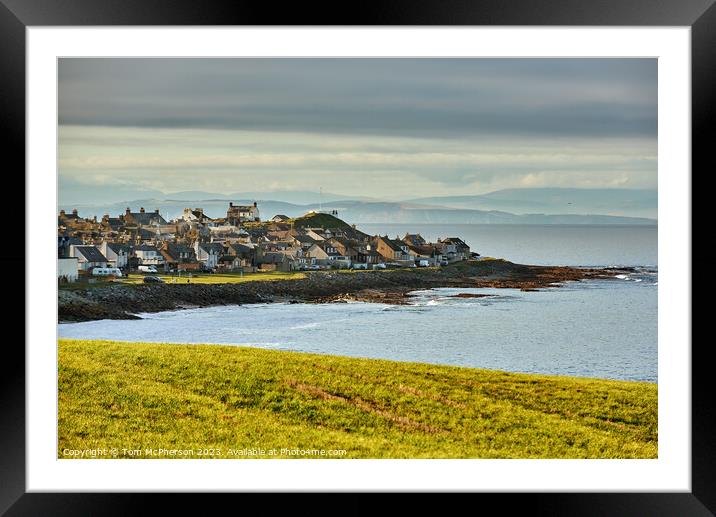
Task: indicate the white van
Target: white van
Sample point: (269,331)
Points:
(423,263)
(148,269)
(106,271)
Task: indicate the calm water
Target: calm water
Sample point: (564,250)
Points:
(565,245)
(604,328)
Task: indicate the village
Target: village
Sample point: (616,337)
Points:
(241,242)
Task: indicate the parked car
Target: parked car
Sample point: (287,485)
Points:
(423,263)
(444,262)
(148,269)
(379,266)
(153,280)
(360,265)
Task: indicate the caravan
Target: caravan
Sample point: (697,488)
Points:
(106,271)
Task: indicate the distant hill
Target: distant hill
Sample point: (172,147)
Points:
(297,197)
(74,193)
(356,212)
(494,207)
(319,220)
(613,201)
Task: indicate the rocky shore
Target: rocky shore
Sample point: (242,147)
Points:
(390,286)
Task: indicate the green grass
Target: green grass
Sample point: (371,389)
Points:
(141,395)
(215,278)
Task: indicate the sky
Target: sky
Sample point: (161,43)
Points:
(384,128)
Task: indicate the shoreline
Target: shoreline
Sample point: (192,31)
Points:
(391,286)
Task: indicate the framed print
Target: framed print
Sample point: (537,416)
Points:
(444,250)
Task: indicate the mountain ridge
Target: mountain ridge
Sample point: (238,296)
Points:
(356,212)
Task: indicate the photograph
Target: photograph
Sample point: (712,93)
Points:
(357,257)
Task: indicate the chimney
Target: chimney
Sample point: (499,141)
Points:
(254,203)
(128,211)
(231,204)
(74,211)
(62,212)
(141,210)
(156,211)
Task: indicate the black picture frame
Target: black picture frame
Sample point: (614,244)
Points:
(17,15)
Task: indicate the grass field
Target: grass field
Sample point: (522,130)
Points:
(216,278)
(139,396)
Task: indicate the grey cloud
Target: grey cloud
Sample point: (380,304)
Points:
(438,98)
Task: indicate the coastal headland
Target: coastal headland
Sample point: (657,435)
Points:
(114,300)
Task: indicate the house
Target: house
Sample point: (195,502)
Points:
(256,234)
(195,215)
(365,256)
(142,218)
(275,261)
(66,218)
(414,239)
(208,253)
(111,223)
(327,254)
(245,254)
(67,269)
(146,235)
(179,256)
(280,218)
(389,249)
(229,263)
(428,252)
(64,243)
(454,248)
(303,241)
(237,214)
(117,254)
(88,257)
(148,255)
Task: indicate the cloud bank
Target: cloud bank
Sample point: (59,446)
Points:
(372,127)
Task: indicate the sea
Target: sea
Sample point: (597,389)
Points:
(595,328)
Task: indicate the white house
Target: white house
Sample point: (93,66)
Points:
(88,257)
(148,255)
(67,269)
(208,253)
(117,254)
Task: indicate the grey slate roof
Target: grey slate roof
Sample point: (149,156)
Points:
(213,247)
(91,253)
(146,247)
(118,247)
(148,218)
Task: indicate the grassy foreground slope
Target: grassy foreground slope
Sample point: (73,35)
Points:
(141,395)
